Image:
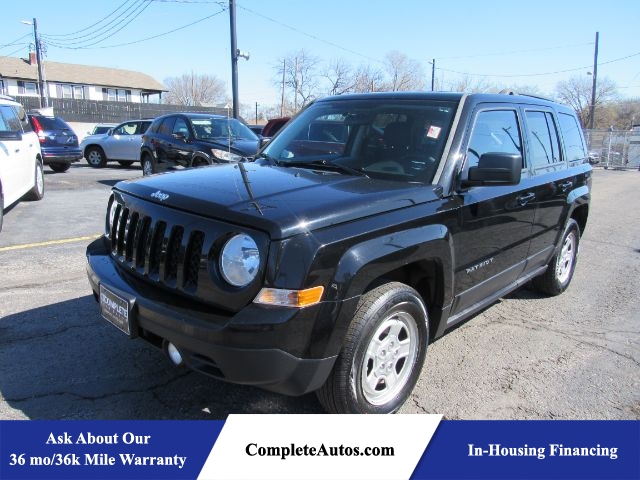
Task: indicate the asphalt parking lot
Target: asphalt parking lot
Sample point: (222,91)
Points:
(576,356)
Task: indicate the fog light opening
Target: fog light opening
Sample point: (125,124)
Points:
(174,354)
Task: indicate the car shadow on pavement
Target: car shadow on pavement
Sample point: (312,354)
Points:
(63,361)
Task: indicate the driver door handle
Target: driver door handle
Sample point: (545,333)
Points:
(524,199)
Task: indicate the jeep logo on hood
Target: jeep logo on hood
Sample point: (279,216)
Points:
(160,195)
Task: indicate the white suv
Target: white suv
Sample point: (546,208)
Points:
(21,172)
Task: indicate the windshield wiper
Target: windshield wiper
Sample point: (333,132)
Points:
(326,165)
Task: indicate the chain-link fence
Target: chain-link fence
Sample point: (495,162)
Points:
(611,148)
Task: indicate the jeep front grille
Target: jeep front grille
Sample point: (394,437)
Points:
(167,254)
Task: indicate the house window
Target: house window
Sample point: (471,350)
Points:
(122,95)
(67,91)
(78,92)
(111,94)
(31,88)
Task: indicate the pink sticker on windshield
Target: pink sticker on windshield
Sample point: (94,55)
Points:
(434,132)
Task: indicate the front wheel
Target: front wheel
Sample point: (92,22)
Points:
(95,157)
(559,273)
(383,353)
(147,165)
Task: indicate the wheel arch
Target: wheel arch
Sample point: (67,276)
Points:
(421,258)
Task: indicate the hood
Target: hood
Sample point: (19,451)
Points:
(91,138)
(279,200)
(243,147)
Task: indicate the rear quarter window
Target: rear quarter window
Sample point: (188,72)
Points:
(572,137)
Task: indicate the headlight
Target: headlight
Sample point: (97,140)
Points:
(111,215)
(225,155)
(240,260)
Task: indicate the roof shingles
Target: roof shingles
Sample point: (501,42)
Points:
(11,67)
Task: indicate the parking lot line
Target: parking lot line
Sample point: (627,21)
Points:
(47,243)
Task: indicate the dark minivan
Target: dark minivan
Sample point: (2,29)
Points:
(58,142)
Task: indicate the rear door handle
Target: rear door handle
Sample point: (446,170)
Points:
(524,199)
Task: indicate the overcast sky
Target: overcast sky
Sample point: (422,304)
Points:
(503,42)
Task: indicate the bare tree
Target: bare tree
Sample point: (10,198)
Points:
(468,85)
(368,79)
(403,73)
(195,90)
(339,76)
(298,74)
(576,92)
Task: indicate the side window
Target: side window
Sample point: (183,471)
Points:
(543,139)
(166,128)
(572,135)
(10,121)
(181,127)
(494,131)
(142,127)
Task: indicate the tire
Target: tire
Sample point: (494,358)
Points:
(125,163)
(37,191)
(1,209)
(200,162)
(95,157)
(558,275)
(148,168)
(59,167)
(389,333)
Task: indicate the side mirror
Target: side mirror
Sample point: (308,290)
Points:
(264,141)
(180,136)
(496,168)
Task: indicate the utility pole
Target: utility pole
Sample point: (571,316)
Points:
(256,112)
(43,99)
(592,109)
(433,74)
(284,66)
(234,57)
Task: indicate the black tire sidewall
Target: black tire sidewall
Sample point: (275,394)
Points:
(103,160)
(393,301)
(572,226)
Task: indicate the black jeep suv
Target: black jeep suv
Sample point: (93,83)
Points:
(369,226)
(194,140)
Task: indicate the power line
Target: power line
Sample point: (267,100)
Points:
(152,37)
(99,37)
(537,74)
(92,25)
(340,47)
(513,52)
(15,42)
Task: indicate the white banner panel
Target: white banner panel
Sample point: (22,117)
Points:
(322,447)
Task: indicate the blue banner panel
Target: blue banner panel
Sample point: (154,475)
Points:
(527,449)
(105,449)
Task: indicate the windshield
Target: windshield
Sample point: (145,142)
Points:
(382,138)
(210,128)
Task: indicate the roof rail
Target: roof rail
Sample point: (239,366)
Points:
(507,91)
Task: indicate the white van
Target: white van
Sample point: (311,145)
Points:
(21,172)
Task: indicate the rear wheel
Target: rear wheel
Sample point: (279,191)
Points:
(37,191)
(95,157)
(59,167)
(147,165)
(558,275)
(383,353)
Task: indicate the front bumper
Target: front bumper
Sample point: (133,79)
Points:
(259,345)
